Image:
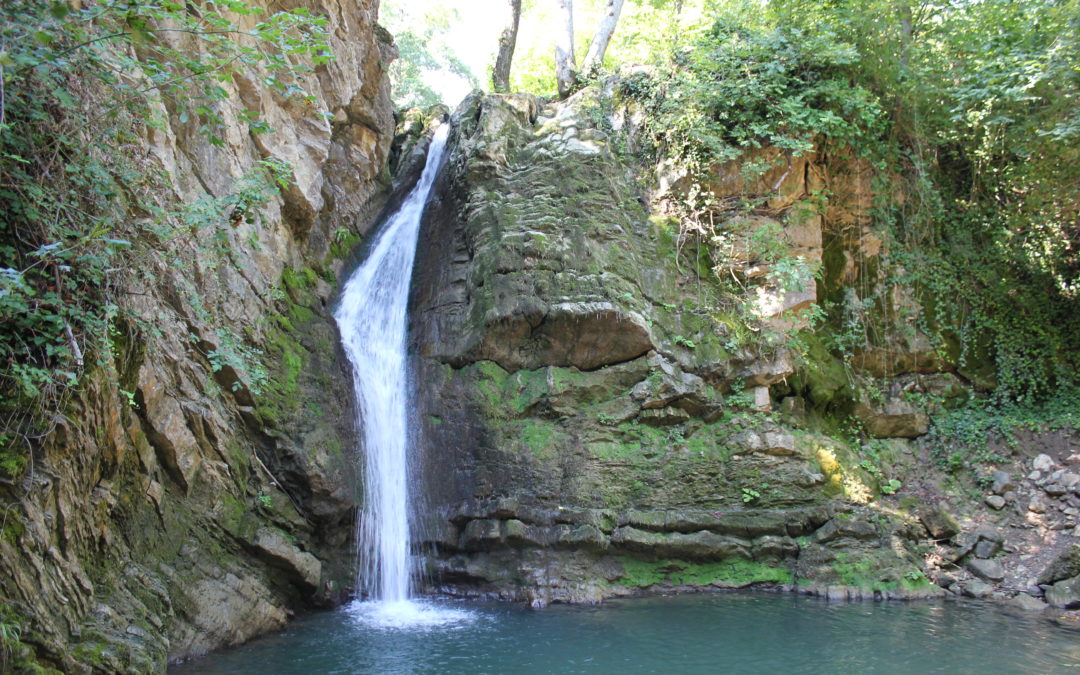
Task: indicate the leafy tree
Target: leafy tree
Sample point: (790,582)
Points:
(565,62)
(424,53)
(595,57)
(566,71)
(968,109)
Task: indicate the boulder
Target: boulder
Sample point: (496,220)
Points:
(1025,602)
(1043,462)
(976,589)
(1064,566)
(989,570)
(988,533)
(896,418)
(1065,594)
(1037,504)
(1055,489)
(1003,482)
(939,522)
(995,502)
(986,548)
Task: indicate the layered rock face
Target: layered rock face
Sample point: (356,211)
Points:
(200,486)
(587,411)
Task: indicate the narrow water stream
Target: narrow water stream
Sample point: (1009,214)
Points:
(708,633)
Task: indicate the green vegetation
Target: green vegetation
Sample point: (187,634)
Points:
(83,207)
(752,494)
(962,117)
(734,573)
(876,572)
(985,432)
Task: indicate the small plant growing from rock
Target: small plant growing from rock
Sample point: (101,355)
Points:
(685,342)
(750,495)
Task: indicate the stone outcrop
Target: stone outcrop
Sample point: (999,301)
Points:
(588,427)
(513,550)
(199,486)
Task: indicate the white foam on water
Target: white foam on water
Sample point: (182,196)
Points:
(407,615)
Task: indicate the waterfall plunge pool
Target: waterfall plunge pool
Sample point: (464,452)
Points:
(732,632)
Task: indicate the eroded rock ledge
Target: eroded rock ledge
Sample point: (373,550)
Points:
(501,548)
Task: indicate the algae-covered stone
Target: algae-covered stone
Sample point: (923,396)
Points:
(845,527)
(481,534)
(697,545)
(579,366)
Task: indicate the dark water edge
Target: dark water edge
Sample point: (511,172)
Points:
(734,632)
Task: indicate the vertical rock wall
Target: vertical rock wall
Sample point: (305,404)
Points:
(199,485)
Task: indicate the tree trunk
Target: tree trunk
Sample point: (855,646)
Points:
(500,75)
(907,33)
(598,46)
(565,65)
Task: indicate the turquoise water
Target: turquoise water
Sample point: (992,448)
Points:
(713,633)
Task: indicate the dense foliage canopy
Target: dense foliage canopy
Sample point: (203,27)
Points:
(969,111)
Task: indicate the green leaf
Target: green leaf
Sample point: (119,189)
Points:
(64,97)
(59,9)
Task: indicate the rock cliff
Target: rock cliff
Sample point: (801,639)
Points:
(592,426)
(199,486)
(598,416)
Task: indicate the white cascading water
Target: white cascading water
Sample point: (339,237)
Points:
(372,320)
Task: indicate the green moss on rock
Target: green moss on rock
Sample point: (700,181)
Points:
(735,573)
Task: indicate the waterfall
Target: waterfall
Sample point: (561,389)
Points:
(372,320)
